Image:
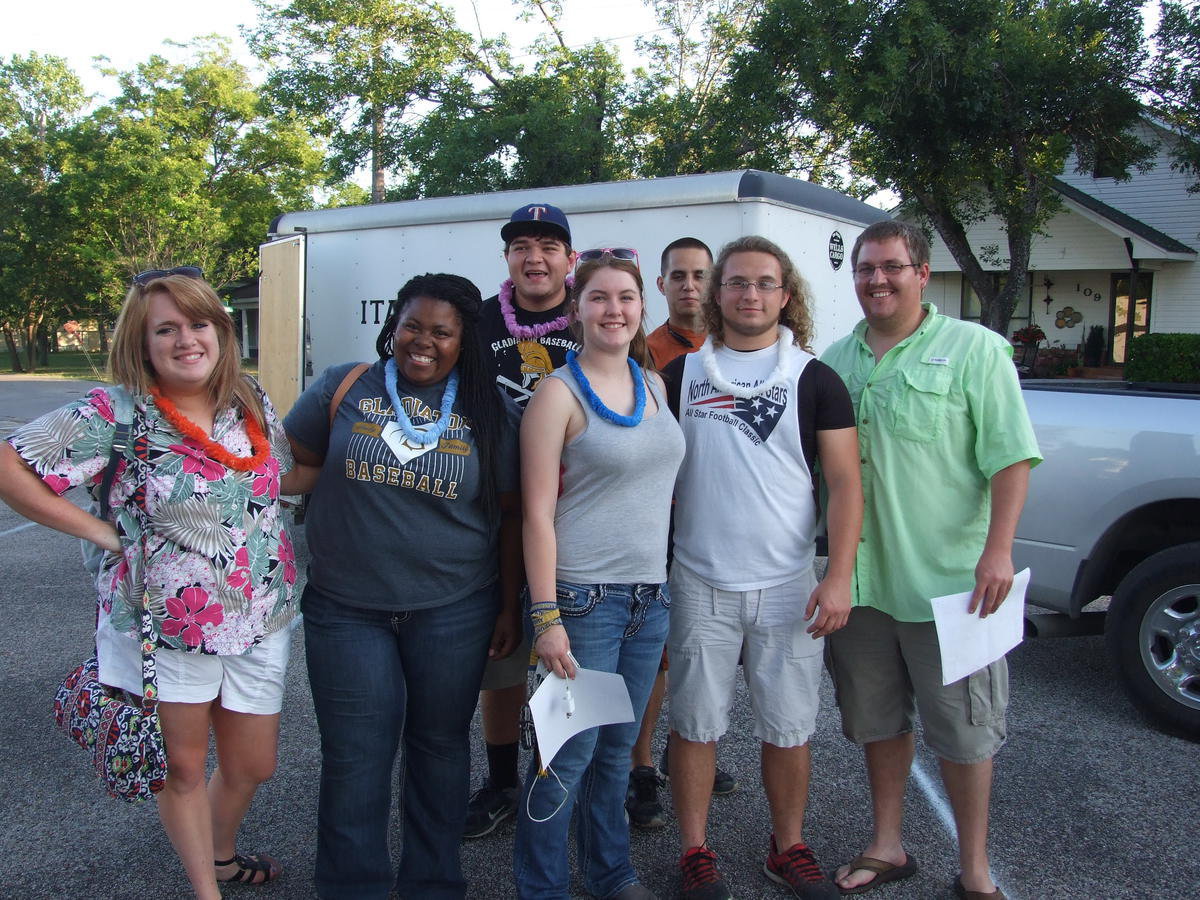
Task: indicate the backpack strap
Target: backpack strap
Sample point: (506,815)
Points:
(352,376)
(123,413)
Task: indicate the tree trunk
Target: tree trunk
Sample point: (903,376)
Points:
(378,186)
(29,335)
(955,237)
(996,313)
(43,347)
(30,329)
(14,352)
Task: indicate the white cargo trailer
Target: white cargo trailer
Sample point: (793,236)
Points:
(328,275)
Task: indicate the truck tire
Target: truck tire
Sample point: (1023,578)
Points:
(1153,635)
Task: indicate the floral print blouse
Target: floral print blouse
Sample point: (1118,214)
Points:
(219,566)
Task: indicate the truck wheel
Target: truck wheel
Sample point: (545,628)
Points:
(1153,634)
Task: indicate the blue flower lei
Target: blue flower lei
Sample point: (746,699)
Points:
(639,393)
(434,434)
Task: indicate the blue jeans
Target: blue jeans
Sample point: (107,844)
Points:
(613,628)
(364,666)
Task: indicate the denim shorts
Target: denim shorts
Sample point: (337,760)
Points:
(885,671)
(712,628)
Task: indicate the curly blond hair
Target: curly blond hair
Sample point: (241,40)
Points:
(796,314)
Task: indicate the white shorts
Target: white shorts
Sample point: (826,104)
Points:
(711,628)
(250,683)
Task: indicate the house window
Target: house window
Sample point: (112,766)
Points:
(1118,312)
(971,308)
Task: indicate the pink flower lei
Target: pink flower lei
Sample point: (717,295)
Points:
(529,332)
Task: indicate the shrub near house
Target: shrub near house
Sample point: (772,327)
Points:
(1164,359)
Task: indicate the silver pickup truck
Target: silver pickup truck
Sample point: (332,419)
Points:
(1115,511)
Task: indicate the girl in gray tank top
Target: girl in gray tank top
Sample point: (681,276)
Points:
(599,454)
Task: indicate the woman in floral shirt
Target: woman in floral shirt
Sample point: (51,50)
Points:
(209,546)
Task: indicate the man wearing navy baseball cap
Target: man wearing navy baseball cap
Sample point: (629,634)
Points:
(524,333)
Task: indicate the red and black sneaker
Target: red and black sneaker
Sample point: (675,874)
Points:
(701,880)
(796,868)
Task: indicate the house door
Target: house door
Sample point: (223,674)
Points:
(1118,313)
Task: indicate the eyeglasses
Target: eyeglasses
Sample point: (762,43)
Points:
(626,253)
(144,278)
(741,285)
(890,268)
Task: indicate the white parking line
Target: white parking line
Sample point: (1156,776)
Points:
(18,528)
(941,806)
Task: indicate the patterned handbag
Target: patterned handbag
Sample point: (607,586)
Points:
(120,732)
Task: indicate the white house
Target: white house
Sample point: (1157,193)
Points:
(1080,266)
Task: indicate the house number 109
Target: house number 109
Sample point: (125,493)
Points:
(1088,292)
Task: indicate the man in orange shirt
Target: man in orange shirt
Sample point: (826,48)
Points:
(685,264)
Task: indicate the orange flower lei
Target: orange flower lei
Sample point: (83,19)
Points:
(189,429)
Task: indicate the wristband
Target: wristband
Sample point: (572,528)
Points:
(543,621)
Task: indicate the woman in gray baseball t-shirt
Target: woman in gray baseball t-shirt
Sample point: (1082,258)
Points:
(410,588)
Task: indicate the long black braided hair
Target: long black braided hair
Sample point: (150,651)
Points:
(478,397)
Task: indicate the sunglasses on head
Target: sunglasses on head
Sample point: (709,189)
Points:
(626,253)
(144,278)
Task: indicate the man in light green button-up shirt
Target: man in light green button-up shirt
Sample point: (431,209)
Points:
(946,447)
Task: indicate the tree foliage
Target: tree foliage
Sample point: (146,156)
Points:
(966,108)
(40,101)
(1174,81)
(354,68)
(187,164)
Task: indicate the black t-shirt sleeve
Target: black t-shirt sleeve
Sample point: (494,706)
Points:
(833,407)
(824,406)
(672,377)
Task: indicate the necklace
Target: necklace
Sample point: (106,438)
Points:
(785,351)
(434,433)
(528,332)
(259,444)
(639,393)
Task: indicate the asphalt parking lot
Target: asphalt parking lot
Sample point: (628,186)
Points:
(1089,802)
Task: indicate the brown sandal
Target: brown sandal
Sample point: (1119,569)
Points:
(884,872)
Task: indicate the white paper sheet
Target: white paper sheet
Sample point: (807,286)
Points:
(968,642)
(600,698)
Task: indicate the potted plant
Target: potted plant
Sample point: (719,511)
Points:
(1030,334)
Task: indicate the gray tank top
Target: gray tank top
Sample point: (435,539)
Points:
(614,507)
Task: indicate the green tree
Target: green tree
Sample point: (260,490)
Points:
(497,126)
(355,68)
(966,108)
(187,165)
(559,124)
(681,113)
(1174,81)
(41,271)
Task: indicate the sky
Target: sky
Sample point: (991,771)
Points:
(129,31)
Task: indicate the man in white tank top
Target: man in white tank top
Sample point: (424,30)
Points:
(758,412)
